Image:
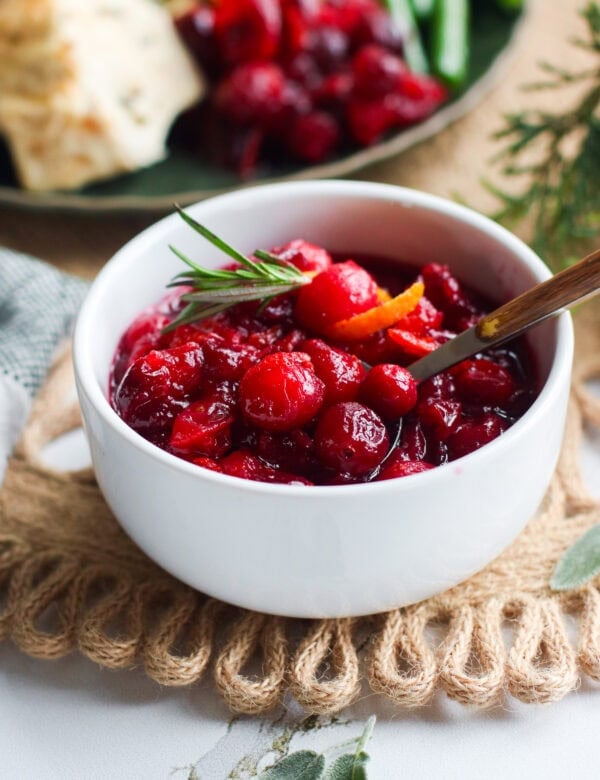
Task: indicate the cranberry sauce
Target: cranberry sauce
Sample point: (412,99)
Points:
(271,393)
(294,82)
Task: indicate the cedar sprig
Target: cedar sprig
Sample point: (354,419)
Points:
(215,290)
(562,196)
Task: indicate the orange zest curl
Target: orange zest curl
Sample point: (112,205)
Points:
(379,317)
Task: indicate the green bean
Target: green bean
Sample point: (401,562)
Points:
(450,36)
(414,54)
(423,9)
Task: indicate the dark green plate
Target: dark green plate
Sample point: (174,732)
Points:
(184,179)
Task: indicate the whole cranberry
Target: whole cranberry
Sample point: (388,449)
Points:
(281,392)
(293,451)
(251,94)
(303,69)
(369,118)
(390,390)
(329,47)
(247,30)
(376,71)
(422,319)
(341,372)
(439,386)
(483,382)
(243,150)
(333,91)
(343,290)
(158,385)
(403,469)
(473,434)
(304,255)
(445,291)
(197,29)
(203,429)
(228,361)
(440,417)
(314,137)
(351,438)
(376,26)
(295,101)
(413,443)
(246,465)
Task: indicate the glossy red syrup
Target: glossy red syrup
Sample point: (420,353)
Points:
(265,394)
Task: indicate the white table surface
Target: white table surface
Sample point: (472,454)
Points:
(71,719)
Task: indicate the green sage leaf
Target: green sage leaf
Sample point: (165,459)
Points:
(350,766)
(580,563)
(302,765)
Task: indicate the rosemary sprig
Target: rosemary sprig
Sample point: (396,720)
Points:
(562,196)
(214,290)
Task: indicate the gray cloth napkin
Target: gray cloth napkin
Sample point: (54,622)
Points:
(38,305)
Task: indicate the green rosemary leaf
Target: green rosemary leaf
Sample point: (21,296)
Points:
(219,243)
(560,196)
(235,294)
(215,290)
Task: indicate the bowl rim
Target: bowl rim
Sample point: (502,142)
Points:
(85,328)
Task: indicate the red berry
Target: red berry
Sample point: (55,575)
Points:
(369,118)
(247,30)
(251,94)
(351,438)
(420,88)
(303,69)
(413,444)
(341,372)
(281,392)
(410,344)
(377,27)
(403,469)
(483,382)
(244,151)
(333,91)
(244,464)
(304,255)
(329,47)
(197,29)
(204,428)
(144,331)
(441,418)
(340,292)
(390,390)
(158,385)
(445,292)
(473,434)
(376,71)
(438,386)
(142,336)
(228,361)
(422,319)
(314,137)
(207,463)
(293,451)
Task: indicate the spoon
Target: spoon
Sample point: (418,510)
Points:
(544,300)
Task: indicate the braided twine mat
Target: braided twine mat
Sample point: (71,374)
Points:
(70,578)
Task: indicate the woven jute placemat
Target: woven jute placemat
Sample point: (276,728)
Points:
(70,579)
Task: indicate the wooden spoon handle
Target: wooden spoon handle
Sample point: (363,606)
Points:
(543,300)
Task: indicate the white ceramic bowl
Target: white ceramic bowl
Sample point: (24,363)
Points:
(323,551)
